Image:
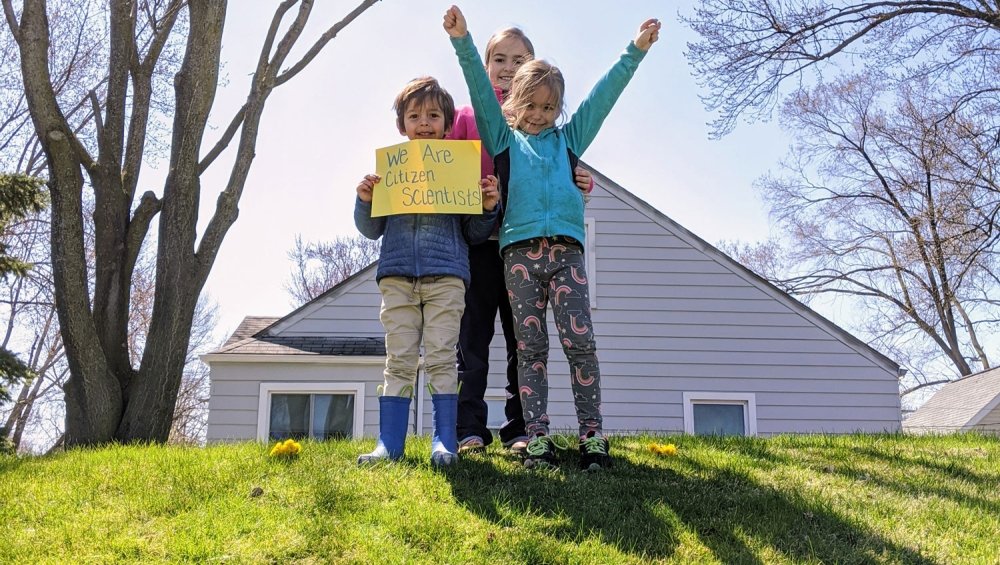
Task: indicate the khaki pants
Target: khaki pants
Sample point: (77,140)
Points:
(427,309)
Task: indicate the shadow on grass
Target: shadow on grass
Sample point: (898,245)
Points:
(916,482)
(644,510)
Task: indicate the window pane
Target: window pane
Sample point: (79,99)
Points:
(333,416)
(718,419)
(289,416)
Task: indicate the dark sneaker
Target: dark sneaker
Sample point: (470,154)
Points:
(594,453)
(540,453)
(471,445)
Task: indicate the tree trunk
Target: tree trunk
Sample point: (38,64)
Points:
(106,399)
(152,393)
(93,395)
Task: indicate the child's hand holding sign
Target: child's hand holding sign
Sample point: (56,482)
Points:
(490,193)
(366,186)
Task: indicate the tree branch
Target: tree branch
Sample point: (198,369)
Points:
(745,54)
(264,81)
(8,12)
(322,41)
(236,122)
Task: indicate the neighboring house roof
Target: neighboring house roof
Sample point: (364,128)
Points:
(249,326)
(251,338)
(959,405)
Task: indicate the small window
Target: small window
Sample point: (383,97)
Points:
(316,416)
(719,413)
(719,419)
(310,410)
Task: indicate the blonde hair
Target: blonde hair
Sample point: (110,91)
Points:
(420,91)
(506,34)
(527,80)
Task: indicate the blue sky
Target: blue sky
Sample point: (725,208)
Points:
(319,131)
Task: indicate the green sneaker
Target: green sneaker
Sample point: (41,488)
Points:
(540,453)
(594,453)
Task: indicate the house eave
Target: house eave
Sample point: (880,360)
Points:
(222,358)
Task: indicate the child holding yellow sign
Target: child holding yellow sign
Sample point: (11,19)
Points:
(422,274)
(543,230)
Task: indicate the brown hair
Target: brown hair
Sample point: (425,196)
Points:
(505,34)
(420,91)
(529,78)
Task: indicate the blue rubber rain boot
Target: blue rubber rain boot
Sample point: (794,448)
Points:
(444,443)
(394,414)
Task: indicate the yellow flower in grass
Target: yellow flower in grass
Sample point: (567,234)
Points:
(287,448)
(668,450)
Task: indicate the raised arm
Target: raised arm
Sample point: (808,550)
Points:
(648,33)
(493,129)
(586,121)
(454,22)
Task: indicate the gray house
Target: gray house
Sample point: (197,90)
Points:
(971,403)
(689,341)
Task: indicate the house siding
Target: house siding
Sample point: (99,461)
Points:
(672,318)
(673,315)
(235,389)
(353,311)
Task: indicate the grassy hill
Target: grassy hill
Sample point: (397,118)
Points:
(808,499)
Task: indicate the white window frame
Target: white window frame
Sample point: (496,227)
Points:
(590,256)
(267,390)
(746,399)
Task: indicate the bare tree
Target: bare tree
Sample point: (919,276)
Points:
(106,397)
(30,326)
(749,48)
(765,258)
(20,196)
(321,265)
(78,29)
(35,417)
(190,420)
(891,198)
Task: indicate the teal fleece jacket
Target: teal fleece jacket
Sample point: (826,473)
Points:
(542,200)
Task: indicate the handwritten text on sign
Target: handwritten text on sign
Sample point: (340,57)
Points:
(428,177)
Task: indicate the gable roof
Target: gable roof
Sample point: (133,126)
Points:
(958,405)
(743,272)
(272,331)
(331,294)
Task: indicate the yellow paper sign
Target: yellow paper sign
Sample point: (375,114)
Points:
(428,177)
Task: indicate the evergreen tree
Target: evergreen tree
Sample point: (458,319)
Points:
(20,195)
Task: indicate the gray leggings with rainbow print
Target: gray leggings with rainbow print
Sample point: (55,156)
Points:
(538,271)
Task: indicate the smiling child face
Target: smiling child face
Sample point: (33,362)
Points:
(424,121)
(540,112)
(507,55)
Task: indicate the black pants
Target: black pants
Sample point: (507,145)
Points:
(486,295)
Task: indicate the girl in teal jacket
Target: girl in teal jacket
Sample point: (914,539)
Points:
(542,234)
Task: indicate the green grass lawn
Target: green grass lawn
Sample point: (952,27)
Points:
(808,499)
